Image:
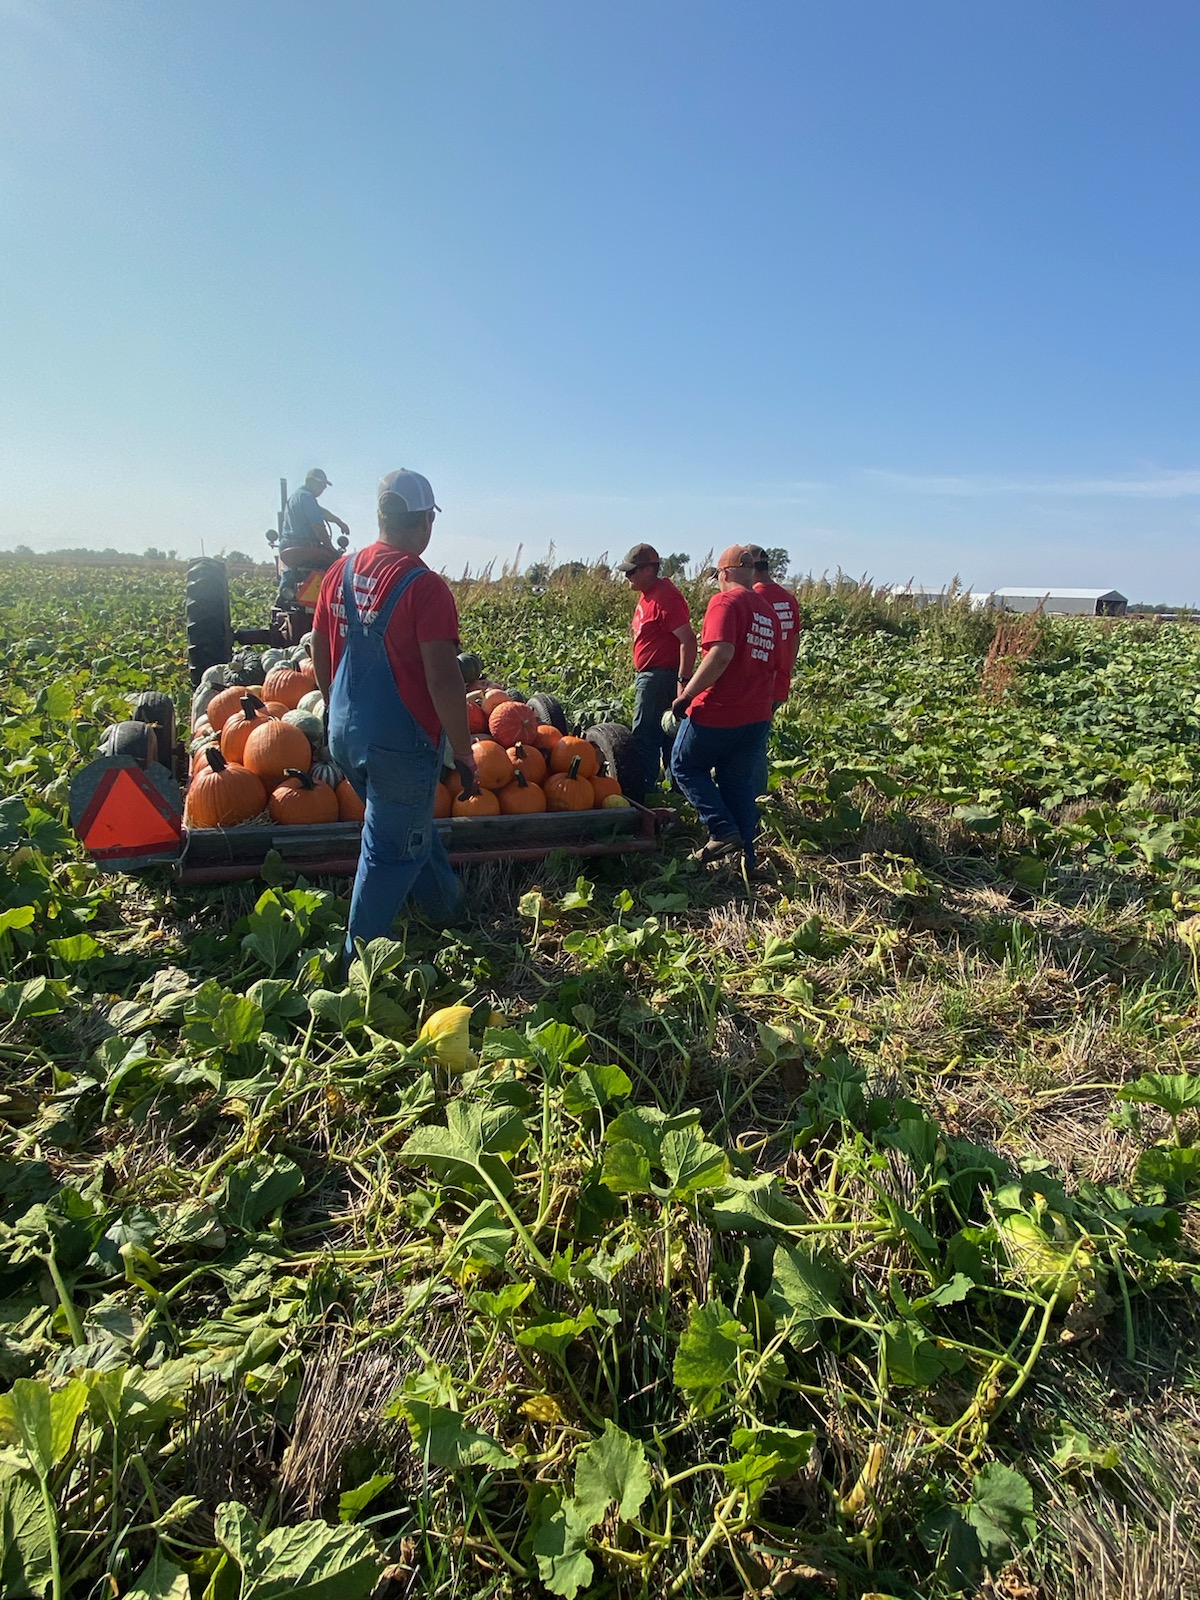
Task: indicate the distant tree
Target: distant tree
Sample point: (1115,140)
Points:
(22,550)
(153,555)
(672,566)
(780,560)
(240,558)
(536,574)
(568,570)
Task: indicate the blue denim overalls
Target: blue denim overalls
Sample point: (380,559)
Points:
(394,769)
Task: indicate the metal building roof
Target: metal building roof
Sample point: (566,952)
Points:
(1032,592)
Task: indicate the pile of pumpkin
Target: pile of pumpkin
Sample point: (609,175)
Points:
(524,766)
(258,754)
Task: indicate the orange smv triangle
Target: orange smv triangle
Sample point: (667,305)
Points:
(310,593)
(128,818)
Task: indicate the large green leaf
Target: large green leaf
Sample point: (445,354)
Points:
(804,1288)
(444,1440)
(256,1189)
(1001,1512)
(24,1538)
(560,1548)
(1175,1092)
(309,1561)
(161,1579)
(707,1356)
(611,1471)
(41,1421)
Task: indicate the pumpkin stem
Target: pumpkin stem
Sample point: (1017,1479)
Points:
(251,706)
(573,769)
(306,781)
(522,780)
(212,754)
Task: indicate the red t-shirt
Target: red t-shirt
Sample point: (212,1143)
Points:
(787,622)
(744,692)
(659,612)
(424,612)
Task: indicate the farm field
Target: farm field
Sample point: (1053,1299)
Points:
(831,1236)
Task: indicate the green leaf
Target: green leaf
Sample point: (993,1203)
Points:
(803,1290)
(593,1086)
(466,1151)
(1171,1172)
(560,1548)
(42,1422)
(308,1561)
(913,1358)
(16,917)
(256,1189)
(25,1567)
(707,1355)
(553,1332)
(611,1470)
(1175,1092)
(161,1579)
(75,950)
(37,997)
(769,1455)
(443,1439)
(691,1162)
(484,1238)
(980,819)
(1001,1512)
(626,1168)
(352,1502)
(342,1009)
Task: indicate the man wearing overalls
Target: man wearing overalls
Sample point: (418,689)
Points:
(385,643)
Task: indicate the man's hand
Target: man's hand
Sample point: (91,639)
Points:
(679,706)
(465,767)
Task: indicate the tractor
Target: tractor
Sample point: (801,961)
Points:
(211,637)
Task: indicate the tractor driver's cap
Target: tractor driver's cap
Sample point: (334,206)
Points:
(316,478)
(758,558)
(413,488)
(738,555)
(642,555)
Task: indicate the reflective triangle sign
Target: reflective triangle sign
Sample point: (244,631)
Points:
(125,816)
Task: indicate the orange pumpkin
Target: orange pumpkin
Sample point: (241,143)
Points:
(546,737)
(213,742)
(307,670)
(222,794)
(569,749)
(483,803)
(350,807)
(511,722)
(442,802)
(603,785)
(451,782)
(527,758)
(493,698)
(277,708)
(286,685)
(238,728)
(521,798)
(223,705)
(492,766)
(273,747)
(567,791)
(477,721)
(300,799)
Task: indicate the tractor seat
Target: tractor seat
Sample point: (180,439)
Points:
(308,557)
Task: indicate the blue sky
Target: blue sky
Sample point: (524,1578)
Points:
(906,286)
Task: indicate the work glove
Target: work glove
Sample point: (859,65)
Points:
(679,706)
(466,773)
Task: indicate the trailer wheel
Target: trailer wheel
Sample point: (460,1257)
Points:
(548,711)
(614,742)
(209,628)
(136,739)
(158,710)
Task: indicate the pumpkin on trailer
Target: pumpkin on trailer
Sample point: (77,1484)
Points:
(350,807)
(239,727)
(223,705)
(274,747)
(604,785)
(483,803)
(569,749)
(442,802)
(301,799)
(222,794)
(309,724)
(477,721)
(451,782)
(493,698)
(492,766)
(512,721)
(546,738)
(568,791)
(521,798)
(286,685)
(527,758)
(211,741)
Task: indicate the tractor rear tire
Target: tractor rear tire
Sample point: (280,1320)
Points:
(209,626)
(548,711)
(614,743)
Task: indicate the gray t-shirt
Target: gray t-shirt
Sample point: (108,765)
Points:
(304,520)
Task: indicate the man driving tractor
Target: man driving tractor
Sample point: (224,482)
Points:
(305,526)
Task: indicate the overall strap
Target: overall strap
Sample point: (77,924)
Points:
(384,615)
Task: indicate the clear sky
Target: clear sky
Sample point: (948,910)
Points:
(906,286)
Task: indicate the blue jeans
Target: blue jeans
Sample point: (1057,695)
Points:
(394,768)
(653,692)
(718,769)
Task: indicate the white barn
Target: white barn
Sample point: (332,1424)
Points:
(1060,602)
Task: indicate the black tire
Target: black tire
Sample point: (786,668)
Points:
(158,711)
(614,742)
(209,628)
(136,739)
(549,711)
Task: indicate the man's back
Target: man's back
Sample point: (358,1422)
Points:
(303,520)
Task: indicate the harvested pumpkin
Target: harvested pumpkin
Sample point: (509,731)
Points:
(546,737)
(512,721)
(520,798)
(273,747)
(222,794)
(604,785)
(442,803)
(239,727)
(286,685)
(527,758)
(300,799)
(492,766)
(223,705)
(483,803)
(569,749)
(569,791)
(350,807)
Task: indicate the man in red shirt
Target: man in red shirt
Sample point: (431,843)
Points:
(787,622)
(664,653)
(385,642)
(727,705)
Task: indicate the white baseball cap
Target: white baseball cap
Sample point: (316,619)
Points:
(412,487)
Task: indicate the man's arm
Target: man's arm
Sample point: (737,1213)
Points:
(330,516)
(687,651)
(322,660)
(449,696)
(716,658)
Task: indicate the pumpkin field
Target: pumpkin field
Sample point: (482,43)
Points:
(654,1232)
